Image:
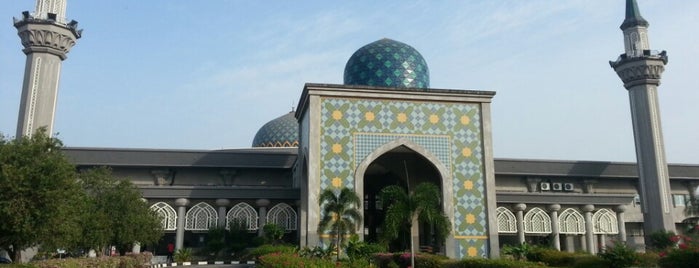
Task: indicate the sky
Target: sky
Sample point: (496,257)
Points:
(180,74)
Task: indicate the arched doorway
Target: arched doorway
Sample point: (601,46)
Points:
(405,167)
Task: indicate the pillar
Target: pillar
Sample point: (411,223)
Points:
(222,204)
(621,221)
(555,232)
(589,231)
(262,211)
(181,204)
(519,209)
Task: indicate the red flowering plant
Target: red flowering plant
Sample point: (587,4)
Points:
(686,251)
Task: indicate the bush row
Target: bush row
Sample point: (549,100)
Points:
(128,261)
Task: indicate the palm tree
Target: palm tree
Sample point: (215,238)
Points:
(340,213)
(403,208)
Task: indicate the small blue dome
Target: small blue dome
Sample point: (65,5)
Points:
(387,63)
(283,131)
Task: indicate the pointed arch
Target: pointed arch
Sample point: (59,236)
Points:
(168,216)
(282,215)
(507,223)
(570,221)
(604,222)
(201,217)
(536,221)
(447,184)
(245,214)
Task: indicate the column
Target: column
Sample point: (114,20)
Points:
(553,211)
(589,232)
(519,209)
(262,212)
(222,204)
(181,204)
(621,221)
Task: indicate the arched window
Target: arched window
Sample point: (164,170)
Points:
(168,217)
(201,217)
(244,214)
(570,221)
(536,221)
(604,222)
(507,223)
(282,215)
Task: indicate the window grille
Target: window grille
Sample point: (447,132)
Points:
(507,223)
(282,215)
(536,221)
(570,221)
(245,214)
(605,222)
(168,217)
(201,217)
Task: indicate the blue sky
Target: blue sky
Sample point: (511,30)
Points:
(208,74)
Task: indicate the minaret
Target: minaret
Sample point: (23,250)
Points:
(640,69)
(46,38)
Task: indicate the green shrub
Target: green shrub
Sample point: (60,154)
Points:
(183,255)
(552,257)
(128,261)
(284,260)
(317,252)
(680,258)
(587,261)
(619,255)
(662,240)
(267,249)
(648,259)
(518,252)
(361,250)
(489,263)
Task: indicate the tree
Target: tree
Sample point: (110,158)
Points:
(404,208)
(40,199)
(116,214)
(340,214)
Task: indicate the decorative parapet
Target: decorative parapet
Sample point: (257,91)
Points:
(47,35)
(646,69)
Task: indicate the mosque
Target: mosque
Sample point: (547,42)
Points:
(385,126)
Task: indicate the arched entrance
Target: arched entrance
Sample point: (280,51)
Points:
(406,165)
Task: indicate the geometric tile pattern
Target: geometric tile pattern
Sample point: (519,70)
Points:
(387,63)
(353,128)
(283,131)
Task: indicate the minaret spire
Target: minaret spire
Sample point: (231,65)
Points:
(46,38)
(641,69)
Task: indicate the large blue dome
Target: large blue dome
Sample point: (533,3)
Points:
(387,63)
(283,131)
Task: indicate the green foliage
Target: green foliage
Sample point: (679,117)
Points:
(422,203)
(489,263)
(648,259)
(662,240)
(215,240)
(619,255)
(268,249)
(340,214)
(284,260)
(316,252)
(39,198)
(552,257)
(238,238)
(519,252)
(587,261)
(183,255)
(358,250)
(402,260)
(273,233)
(127,261)
(116,214)
(686,254)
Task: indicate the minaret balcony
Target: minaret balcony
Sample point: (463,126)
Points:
(647,55)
